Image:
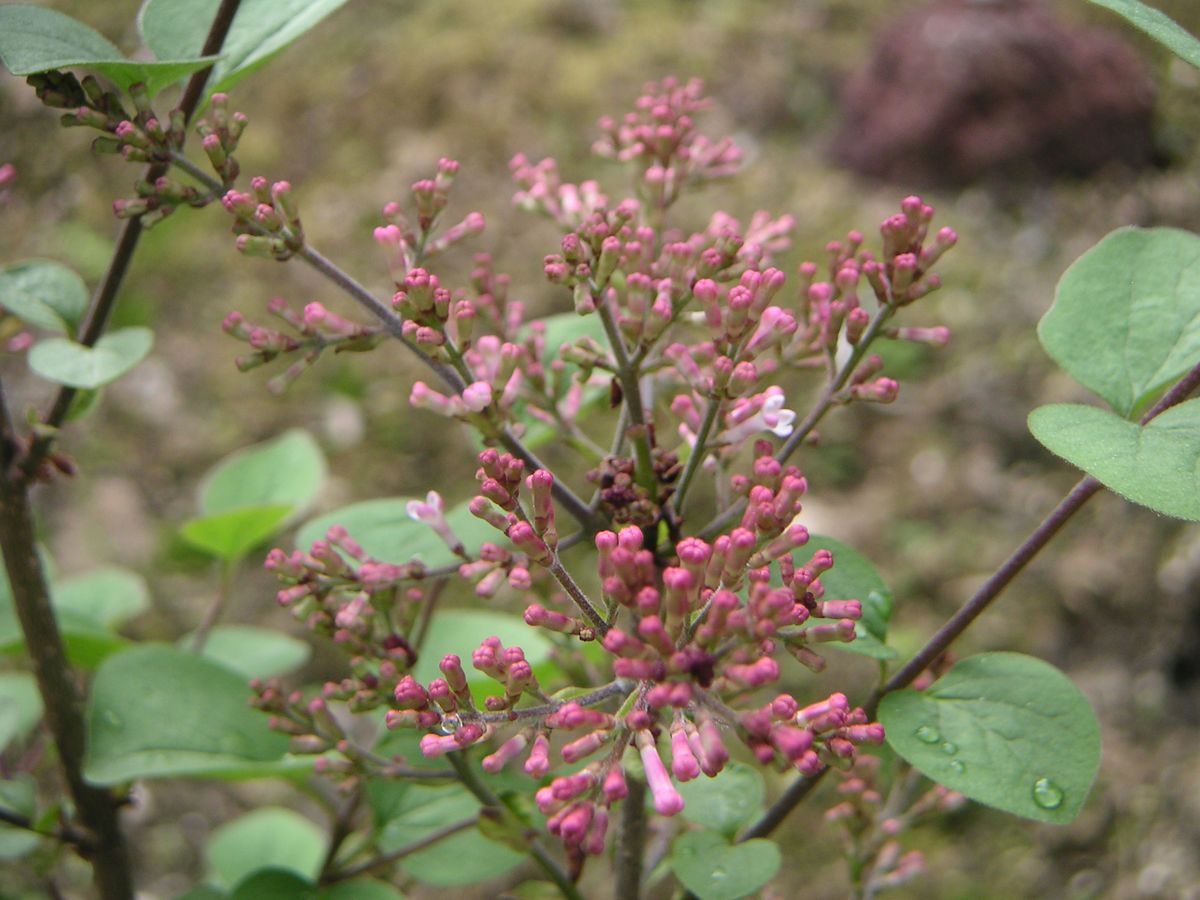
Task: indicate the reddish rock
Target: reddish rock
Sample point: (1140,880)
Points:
(963,89)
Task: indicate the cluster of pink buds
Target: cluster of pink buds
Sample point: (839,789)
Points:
(660,139)
(336,589)
(871,824)
(409,241)
(266,219)
(313,331)
(694,626)
(500,477)
(141,137)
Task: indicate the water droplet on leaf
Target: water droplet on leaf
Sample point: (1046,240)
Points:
(949,748)
(958,766)
(450,723)
(1047,794)
(718,873)
(927,734)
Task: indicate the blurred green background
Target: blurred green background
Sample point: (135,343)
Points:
(935,489)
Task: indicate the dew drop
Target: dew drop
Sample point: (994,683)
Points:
(949,748)
(1047,794)
(718,874)
(958,766)
(113,720)
(927,734)
(450,723)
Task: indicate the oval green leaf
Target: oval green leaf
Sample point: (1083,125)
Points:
(87,610)
(1126,316)
(386,532)
(253,652)
(18,794)
(34,39)
(289,469)
(714,869)
(45,294)
(1158,25)
(274,884)
(156,711)
(854,578)
(229,536)
(109,596)
(20,706)
(267,838)
(72,364)
(727,802)
(1005,729)
(262,28)
(1156,465)
(463,858)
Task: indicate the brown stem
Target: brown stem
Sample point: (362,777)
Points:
(63,704)
(631,842)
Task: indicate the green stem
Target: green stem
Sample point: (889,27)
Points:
(698,452)
(627,376)
(631,842)
(473,783)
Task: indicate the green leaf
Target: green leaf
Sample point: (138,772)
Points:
(360,889)
(854,578)
(262,28)
(727,802)
(109,596)
(18,794)
(1005,729)
(116,353)
(463,858)
(33,39)
(461,631)
(713,869)
(386,532)
(86,610)
(253,652)
(288,469)
(267,838)
(1155,465)
(45,294)
(274,884)
(1126,316)
(20,706)
(203,892)
(567,328)
(1158,25)
(157,711)
(231,535)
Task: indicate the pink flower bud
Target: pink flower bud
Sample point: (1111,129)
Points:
(667,800)
(538,763)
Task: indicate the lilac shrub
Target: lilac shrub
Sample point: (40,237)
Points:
(692,619)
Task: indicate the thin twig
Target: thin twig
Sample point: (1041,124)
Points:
(699,451)
(387,859)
